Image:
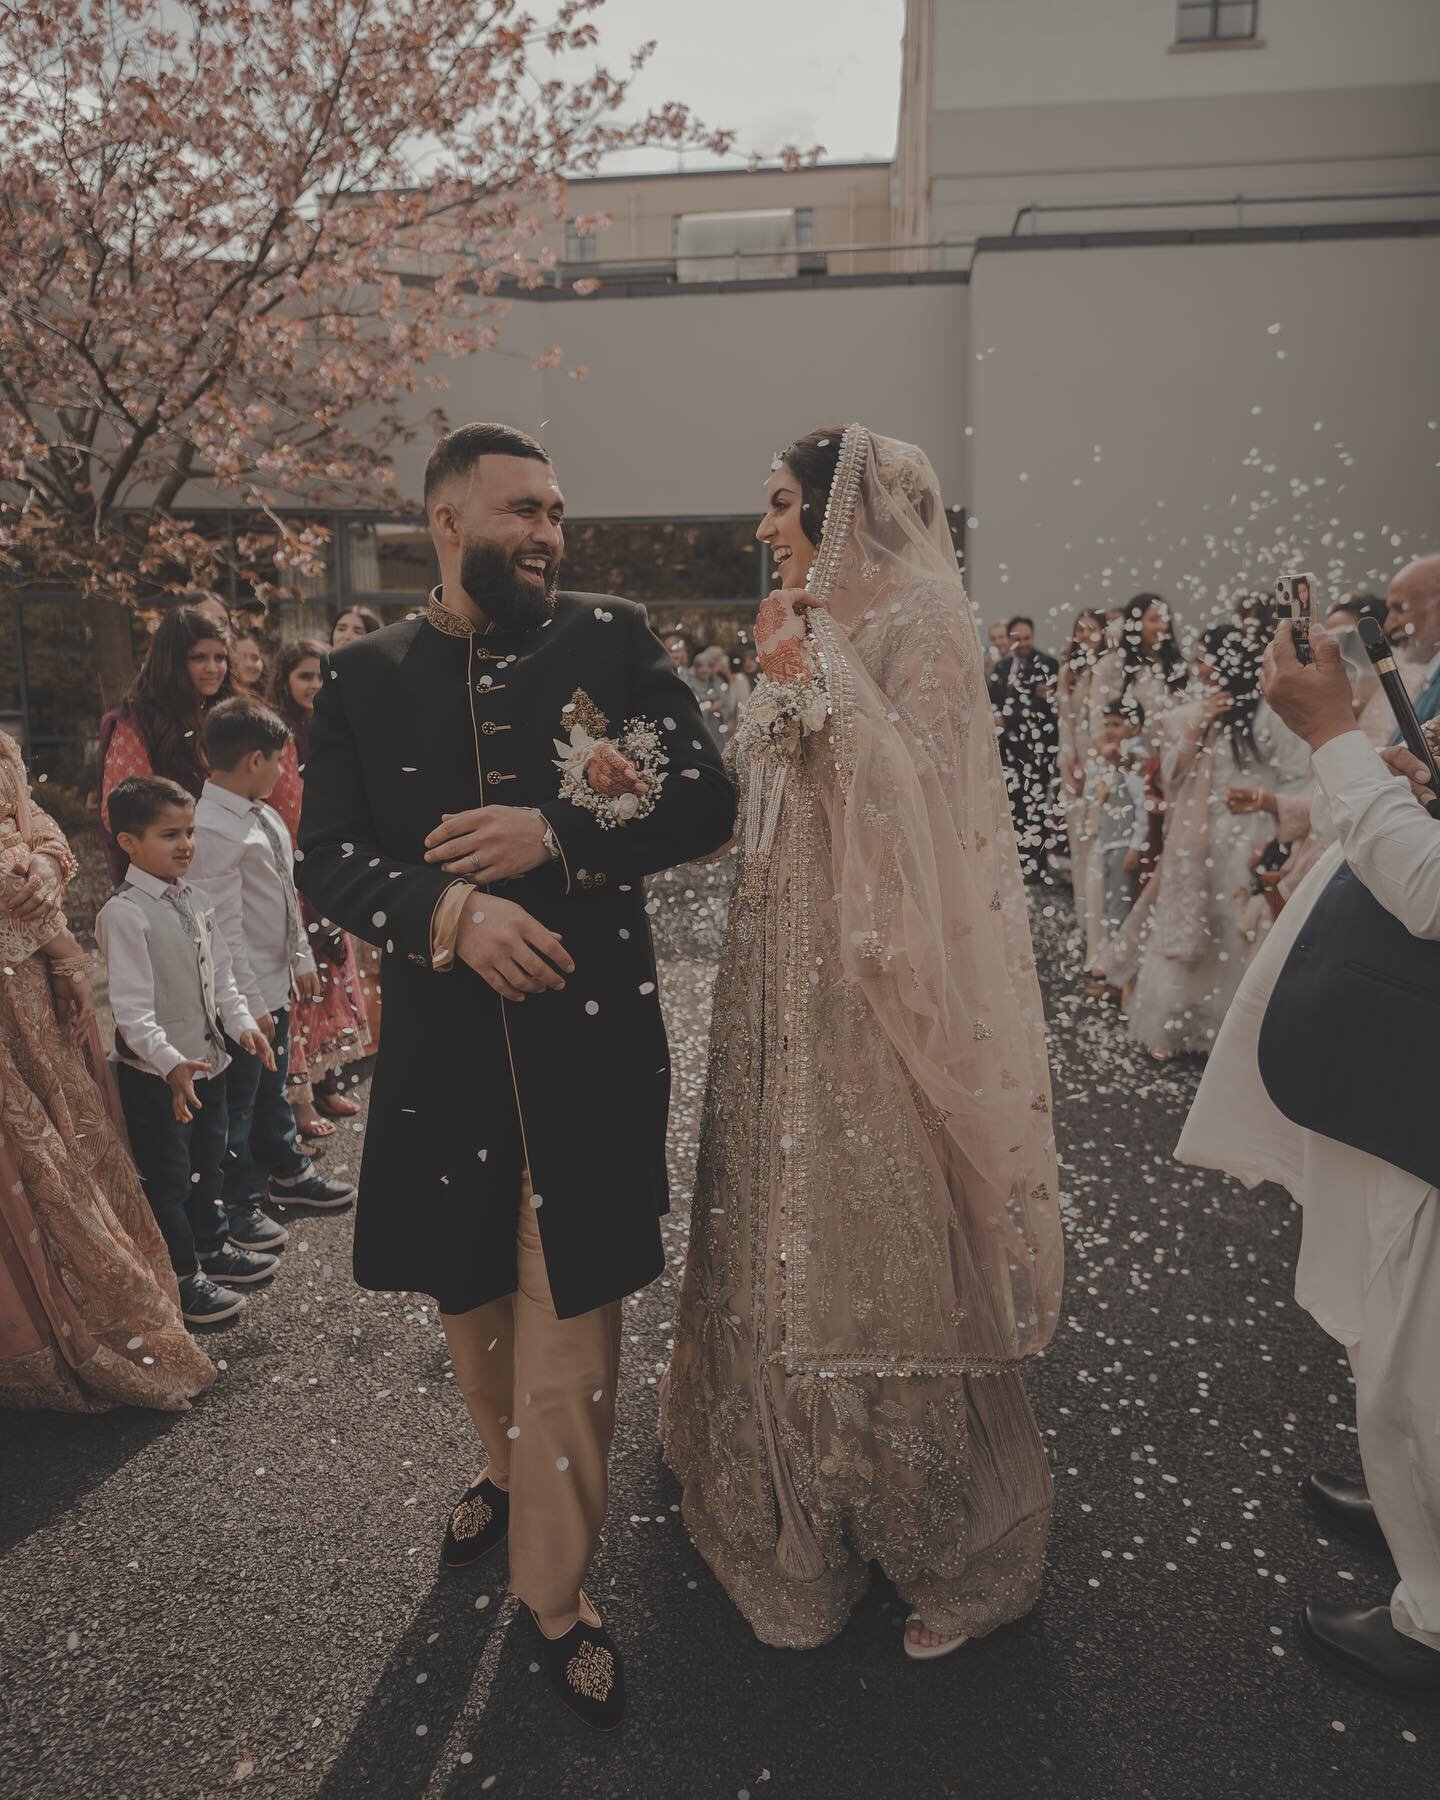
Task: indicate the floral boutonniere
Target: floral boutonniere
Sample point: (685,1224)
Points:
(616,780)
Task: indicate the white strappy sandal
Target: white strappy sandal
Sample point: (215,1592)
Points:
(928,1652)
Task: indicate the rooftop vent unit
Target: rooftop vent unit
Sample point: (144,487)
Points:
(743,245)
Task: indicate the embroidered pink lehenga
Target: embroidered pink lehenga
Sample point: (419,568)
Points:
(89,1308)
(875,1243)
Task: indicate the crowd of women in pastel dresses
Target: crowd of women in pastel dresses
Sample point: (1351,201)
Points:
(1181,808)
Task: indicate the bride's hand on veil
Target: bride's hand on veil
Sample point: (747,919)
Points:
(780,635)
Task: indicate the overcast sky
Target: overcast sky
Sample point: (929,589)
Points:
(775,71)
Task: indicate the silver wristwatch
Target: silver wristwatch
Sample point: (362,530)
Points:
(548,838)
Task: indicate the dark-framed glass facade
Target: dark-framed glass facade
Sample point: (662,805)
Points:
(702,578)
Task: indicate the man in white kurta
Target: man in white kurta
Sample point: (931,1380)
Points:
(1369,1268)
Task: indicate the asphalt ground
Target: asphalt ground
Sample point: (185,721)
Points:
(247,1596)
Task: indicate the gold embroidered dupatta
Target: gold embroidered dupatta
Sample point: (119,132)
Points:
(904,1134)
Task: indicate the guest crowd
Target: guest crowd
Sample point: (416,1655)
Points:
(132,1173)
(1183,808)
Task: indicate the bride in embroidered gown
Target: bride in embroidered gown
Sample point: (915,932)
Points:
(876,1246)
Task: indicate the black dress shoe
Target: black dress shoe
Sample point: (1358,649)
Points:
(478,1525)
(1346,1505)
(585,1671)
(1361,1642)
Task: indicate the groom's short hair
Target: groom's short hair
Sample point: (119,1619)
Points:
(459,450)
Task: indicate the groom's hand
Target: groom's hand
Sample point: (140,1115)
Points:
(509,949)
(488,843)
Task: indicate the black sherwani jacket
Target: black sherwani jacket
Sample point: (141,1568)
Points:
(411,723)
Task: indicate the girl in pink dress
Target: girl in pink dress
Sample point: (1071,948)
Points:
(156,731)
(331,1032)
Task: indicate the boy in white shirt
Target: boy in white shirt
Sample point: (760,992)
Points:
(243,857)
(173,994)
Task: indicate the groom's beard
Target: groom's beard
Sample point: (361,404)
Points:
(489,576)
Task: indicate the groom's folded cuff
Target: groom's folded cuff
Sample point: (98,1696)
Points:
(445,924)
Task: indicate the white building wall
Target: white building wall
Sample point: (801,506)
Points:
(1041,102)
(688,396)
(995,53)
(1139,423)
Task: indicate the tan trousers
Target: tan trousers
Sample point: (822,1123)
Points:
(541,1392)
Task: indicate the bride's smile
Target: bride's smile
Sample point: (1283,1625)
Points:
(783,528)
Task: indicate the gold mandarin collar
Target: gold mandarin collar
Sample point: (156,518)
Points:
(448,622)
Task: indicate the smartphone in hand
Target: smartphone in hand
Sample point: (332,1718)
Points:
(1296,593)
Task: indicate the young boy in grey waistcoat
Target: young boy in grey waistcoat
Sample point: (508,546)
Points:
(173,994)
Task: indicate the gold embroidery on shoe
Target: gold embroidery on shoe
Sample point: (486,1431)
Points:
(471,1517)
(591,1671)
(583,711)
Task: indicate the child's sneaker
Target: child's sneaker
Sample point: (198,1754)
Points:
(236,1266)
(250,1229)
(203,1303)
(313,1189)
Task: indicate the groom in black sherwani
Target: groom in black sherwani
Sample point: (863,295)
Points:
(487,786)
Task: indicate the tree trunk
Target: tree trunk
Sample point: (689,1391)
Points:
(114,651)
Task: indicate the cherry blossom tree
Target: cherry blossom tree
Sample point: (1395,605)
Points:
(237,237)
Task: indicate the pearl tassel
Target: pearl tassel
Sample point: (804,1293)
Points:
(764,796)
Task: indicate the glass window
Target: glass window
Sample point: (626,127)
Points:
(664,561)
(391,557)
(11,716)
(731,626)
(63,691)
(804,228)
(256,539)
(1235,19)
(1216,21)
(581,246)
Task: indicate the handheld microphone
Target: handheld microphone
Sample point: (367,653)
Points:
(1377,648)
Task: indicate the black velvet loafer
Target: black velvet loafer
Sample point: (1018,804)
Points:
(1344,1505)
(1361,1642)
(585,1671)
(478,1525)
